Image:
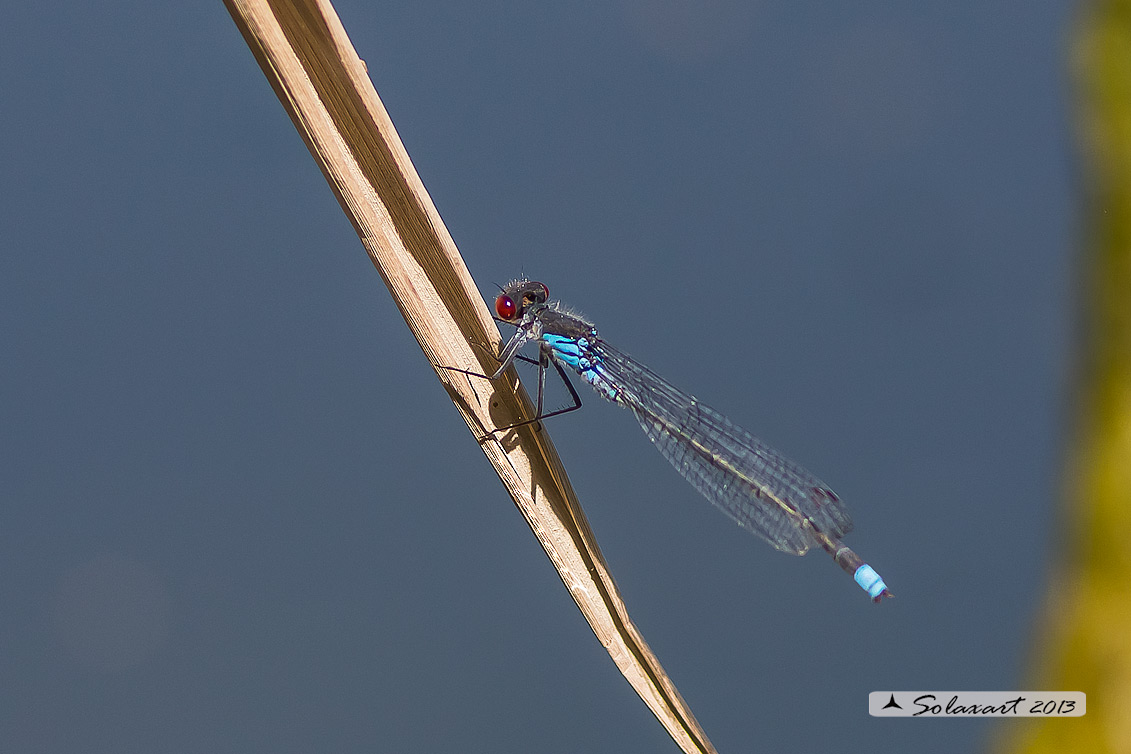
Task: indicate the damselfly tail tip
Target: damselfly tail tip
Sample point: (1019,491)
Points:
(879,597)
(871,583)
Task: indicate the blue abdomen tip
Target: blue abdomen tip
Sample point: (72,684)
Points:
(870,581)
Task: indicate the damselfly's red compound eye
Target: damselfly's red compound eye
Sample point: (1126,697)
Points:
(505,307)
(545,292)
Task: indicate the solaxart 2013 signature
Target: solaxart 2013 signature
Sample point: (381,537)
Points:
(928,705)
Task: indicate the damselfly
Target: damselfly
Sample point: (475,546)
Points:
(752,483)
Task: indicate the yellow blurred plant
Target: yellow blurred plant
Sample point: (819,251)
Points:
(1084,639)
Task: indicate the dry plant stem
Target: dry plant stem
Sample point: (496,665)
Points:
(325,88)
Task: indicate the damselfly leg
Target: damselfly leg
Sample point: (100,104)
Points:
(542,362)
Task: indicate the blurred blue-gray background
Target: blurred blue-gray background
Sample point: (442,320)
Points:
(239,514)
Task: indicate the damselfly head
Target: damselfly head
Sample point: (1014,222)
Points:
(517,296)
